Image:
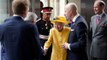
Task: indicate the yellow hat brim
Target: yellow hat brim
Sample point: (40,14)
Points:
(64,22)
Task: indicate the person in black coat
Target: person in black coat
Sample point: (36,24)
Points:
(44,25)
(19,39)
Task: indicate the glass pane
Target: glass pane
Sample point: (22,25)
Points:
(3,10)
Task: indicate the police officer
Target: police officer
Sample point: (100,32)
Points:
(44,25)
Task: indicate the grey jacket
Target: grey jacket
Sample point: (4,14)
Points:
(99,37)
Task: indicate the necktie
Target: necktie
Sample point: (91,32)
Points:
(72,25)
(98,20)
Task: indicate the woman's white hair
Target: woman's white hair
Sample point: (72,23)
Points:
(31,16)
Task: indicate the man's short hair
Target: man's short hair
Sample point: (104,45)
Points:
(19,6)
(72,5)
(101,3)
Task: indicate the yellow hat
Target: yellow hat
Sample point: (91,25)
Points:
(60,19)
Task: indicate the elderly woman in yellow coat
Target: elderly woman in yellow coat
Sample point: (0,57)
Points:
(58,36)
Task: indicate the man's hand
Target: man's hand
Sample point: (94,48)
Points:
(65,46)
(45,51)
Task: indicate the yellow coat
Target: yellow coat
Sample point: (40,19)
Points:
(57,39)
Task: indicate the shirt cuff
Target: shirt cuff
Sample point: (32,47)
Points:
(45,48)
(69,47)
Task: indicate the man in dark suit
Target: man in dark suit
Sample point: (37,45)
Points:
(77,40)
(98,30)
(19,39)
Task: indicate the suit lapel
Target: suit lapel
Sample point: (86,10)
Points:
(73,26)
(101,22)
(94,25)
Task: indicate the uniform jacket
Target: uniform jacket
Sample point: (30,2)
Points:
(44,27)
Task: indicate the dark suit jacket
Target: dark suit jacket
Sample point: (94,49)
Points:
(19,40)
(77,40)
(99,37)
